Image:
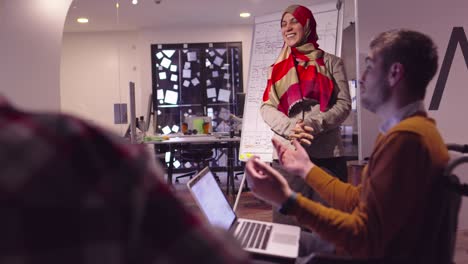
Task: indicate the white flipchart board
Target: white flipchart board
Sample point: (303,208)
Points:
(266,45)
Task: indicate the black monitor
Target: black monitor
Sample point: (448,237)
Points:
(149,112)
(240,99)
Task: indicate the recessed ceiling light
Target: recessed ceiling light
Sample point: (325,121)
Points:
(82,20)
(134,2)
(244,15)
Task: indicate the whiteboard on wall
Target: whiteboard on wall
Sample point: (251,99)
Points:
(266,45)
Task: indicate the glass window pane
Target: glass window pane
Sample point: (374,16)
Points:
(189,79)
(191,86)
(167,76)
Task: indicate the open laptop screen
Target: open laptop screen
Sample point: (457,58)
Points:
(211,200)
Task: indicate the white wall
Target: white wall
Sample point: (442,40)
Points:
(95,71)
(30,48)
(435,18)
(97,67)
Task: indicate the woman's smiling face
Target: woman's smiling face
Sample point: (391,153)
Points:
(291,30)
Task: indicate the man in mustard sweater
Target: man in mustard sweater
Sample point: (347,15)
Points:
(388,215)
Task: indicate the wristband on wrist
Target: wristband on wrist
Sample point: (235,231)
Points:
(285,208)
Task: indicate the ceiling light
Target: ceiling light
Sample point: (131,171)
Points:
(134,2)
(117,5)
(82,20)
(244,15)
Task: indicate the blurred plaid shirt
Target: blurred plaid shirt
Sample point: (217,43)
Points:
(73,193)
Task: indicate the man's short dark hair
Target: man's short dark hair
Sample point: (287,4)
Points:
(414,50)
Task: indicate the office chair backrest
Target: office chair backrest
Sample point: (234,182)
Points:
(197,152)
(446,198)
(455,191)
(449,218)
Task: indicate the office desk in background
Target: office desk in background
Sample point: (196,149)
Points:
(218,142)
(355,168)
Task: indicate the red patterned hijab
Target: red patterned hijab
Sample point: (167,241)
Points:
(299,73)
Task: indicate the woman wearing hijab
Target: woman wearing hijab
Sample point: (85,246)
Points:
(307,98)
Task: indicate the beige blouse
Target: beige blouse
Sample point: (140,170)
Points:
(327,141)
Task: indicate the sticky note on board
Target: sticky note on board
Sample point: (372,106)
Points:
(211,92)
(186,73)
(224,95)
(166,63)
(169,53)
(192,56)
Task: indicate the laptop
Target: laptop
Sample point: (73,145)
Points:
(258,237)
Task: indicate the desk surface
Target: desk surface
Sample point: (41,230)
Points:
(194,139)
(176,140)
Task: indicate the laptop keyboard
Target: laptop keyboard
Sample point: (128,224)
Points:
(254,235)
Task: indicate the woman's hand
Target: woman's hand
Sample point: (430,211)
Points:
(295,161)
(302,133)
